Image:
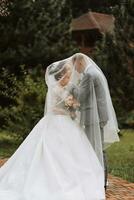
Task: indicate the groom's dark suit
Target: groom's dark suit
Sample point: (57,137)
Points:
(82,94)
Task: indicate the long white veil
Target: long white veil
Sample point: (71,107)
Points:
(56,98)
(111,128)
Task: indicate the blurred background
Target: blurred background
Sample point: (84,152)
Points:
(35,33)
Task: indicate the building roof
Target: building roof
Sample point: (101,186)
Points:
(93,20)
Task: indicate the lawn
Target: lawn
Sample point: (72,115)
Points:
(120,155)
(8,144)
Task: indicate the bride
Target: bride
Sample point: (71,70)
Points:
(56,160)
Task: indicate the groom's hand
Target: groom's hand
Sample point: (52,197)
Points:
(72,88)
(76,104)
(74,91)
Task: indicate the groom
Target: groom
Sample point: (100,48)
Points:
(82,94)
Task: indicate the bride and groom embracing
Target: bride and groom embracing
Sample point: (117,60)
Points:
(63,156)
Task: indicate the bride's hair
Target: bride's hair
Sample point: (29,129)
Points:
(57,70)
(60,74)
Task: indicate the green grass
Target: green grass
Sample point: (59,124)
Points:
(120,156)
(8,144)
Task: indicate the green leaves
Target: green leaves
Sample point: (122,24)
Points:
(115,55)
(35,32)
(22,102)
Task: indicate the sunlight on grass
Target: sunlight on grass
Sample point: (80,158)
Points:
(121,156)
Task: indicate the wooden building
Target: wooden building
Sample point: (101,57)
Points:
(90,27)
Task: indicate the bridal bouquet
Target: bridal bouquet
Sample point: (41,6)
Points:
(71,104)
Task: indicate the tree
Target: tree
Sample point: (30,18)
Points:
(35,32)
(80,7)
(115,55)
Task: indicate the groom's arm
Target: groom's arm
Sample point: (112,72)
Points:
(82,92)
(101,102)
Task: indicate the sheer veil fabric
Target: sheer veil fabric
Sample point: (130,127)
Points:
(111,128)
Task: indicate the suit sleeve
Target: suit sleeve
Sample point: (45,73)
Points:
(101,102)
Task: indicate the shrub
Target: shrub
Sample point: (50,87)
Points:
(28,105)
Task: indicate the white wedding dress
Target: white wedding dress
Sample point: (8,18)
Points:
(55,162)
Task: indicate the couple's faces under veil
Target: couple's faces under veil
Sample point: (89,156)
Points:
(60,77)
